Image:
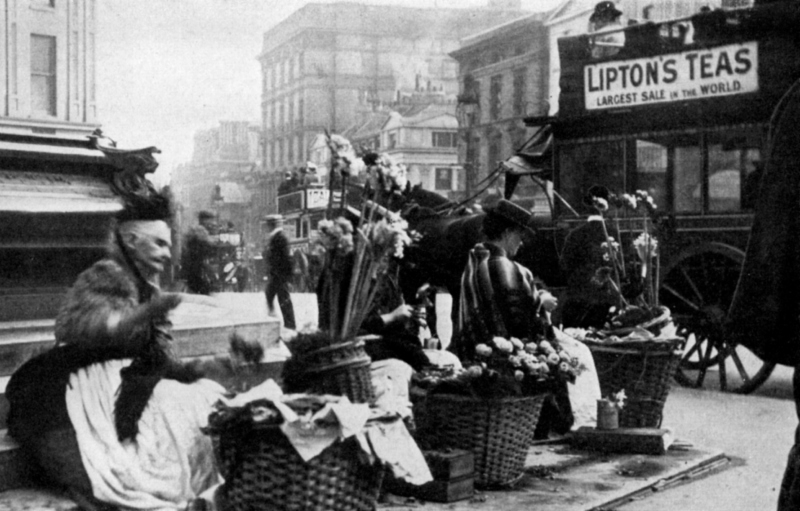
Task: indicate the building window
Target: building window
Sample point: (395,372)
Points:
(520,90)
(392,140)
(444,139)
(43,3)
(43,74)
(494,151)
(281,115)
(444,178)
(647,12)
(496,88)
(300,112)
(290,151)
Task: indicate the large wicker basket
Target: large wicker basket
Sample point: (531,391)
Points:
(644,369)
(497,431)
(341,369)
(263,471)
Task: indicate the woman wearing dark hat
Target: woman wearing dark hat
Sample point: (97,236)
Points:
(499,297)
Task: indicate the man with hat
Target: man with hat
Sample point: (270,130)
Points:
(278,261)
(198,255)
(606,17)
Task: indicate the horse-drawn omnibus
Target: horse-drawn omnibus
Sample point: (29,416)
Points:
(682,111)
(302,208)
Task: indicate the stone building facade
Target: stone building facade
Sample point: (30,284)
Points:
(327,64)
(503,74)
(47,75)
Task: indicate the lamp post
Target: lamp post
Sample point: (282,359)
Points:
(467,108)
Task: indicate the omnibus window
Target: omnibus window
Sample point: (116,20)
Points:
(732,162)
(586,164)
(724,178)
(651,170)
(687,185)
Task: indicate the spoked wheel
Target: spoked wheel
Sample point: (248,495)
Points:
(698,288)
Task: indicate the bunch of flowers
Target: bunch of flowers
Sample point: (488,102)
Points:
(642,272)
(616,400)
(513,367)
(356,259)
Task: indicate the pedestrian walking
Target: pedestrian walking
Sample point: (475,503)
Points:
(279,269)
(198,255)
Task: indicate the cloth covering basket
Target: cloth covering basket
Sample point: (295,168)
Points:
(497,431)
(644,369)
(263,471)
(341,369)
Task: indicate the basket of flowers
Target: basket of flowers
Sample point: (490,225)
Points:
(290,452)
(492,406)
(334,360)
(637,350)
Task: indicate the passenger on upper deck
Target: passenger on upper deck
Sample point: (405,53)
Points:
(606,17)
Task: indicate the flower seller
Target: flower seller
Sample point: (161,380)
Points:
(109,413)
(499,297)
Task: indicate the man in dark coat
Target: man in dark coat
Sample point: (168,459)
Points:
(765,313)
(279,270)
(198,255)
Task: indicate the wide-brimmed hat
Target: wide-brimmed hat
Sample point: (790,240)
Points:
(605,10)
(514,214)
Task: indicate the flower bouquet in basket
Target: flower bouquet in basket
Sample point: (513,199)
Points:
(491,407)
(631,272)
(638,350)
(333,360)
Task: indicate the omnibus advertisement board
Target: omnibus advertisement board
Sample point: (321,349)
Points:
(697,74)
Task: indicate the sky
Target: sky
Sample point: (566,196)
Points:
(168,68)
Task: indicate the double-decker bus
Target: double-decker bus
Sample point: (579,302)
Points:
(680,110)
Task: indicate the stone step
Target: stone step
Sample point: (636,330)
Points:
(39,499)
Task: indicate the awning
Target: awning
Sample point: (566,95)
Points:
(535,158)
(44,192)
(537,152)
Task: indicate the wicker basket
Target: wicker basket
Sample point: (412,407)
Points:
(342,369)
(497,431)
(644,369)
(263,471)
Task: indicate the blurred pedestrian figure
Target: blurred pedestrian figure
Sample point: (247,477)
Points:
(279,269)
(198,255)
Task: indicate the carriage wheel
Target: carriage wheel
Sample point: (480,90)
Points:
(698,288)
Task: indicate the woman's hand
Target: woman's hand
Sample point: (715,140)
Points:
(401,314)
